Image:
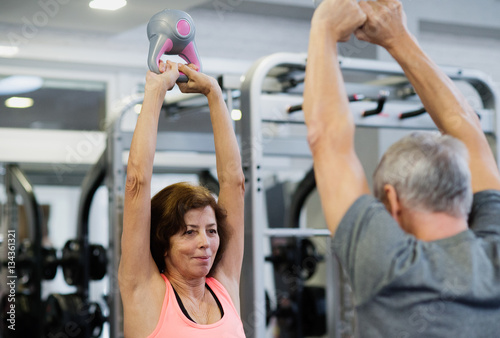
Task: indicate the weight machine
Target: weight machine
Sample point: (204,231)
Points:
(380,96)
(81,262)
(28,303)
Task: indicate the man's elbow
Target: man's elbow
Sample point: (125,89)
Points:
(317,132)
(332,135)
(315,139)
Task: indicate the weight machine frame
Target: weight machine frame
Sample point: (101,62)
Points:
(16,183)
(91,182)
(255,148)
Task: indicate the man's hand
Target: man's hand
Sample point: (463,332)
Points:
(197,82)
(385,24)
(165,80)
(340,17)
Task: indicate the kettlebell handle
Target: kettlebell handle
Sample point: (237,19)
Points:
(172,32)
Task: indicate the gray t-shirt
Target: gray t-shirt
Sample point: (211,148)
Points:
(404,287)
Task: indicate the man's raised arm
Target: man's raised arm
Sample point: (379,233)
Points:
(339,175)
(450,111)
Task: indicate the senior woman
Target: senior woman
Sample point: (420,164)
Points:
(182,251)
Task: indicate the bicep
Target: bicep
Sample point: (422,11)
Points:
(484,218)
(484,170)
(136,261)
(340,178)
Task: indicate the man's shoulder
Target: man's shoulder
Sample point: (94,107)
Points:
(363,204)
(485,212)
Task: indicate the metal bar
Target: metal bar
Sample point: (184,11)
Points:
(91,182)
(255,146)
(89,186)
(332,293)
(115,183)
(177,141)
(296,232)
(253,311)
(483,84)
(17,183)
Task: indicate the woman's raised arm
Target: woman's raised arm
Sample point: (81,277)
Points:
(229,173)
(137,264)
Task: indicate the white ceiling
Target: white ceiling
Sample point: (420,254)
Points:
(227,30)
(77,15)
(230,34)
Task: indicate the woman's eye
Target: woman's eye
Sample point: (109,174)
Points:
(189,232)
(213,231)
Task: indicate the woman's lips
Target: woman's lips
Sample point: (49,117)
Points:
(203,258)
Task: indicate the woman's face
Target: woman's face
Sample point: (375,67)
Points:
(192,252)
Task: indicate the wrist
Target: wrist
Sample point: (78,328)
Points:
(213,89)
(155,94)
(401,44)
(155,88)
(323,28)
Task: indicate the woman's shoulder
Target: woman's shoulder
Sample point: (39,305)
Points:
(224,285)
(212,281)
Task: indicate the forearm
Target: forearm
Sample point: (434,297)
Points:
(142,148)
(442,99)
(325,97)
(227,152)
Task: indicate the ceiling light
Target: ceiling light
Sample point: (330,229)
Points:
(19,84)
(236,114)
(8,51)
(137,108)
(110,5)
(19,102)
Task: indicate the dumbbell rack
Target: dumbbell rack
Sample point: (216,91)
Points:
(261,107)
(31,310)
(77,265)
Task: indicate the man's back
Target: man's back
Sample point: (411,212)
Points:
(449,287)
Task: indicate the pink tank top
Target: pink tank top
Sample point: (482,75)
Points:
(173,322)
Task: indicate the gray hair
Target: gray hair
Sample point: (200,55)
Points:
(429,172)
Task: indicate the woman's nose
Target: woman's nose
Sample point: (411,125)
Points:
(203,240)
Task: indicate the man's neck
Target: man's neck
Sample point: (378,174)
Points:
(432,226)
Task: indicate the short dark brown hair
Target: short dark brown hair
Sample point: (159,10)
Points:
(168,208)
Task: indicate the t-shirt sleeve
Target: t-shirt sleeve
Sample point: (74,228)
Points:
(484,218)
(372,248)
